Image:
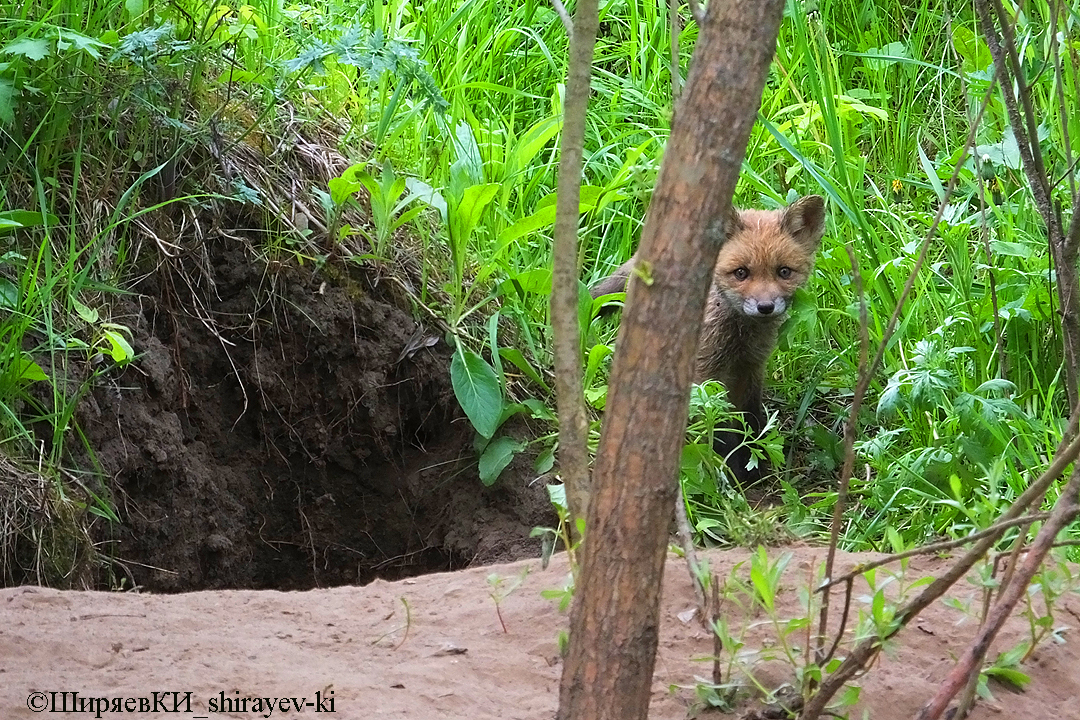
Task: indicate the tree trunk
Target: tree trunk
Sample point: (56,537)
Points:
(614,623)
(573,420)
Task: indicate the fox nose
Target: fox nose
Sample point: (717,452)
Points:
(766,307)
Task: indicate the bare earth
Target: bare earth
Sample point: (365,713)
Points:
(450,658)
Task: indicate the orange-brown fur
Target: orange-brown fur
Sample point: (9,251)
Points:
(768,255)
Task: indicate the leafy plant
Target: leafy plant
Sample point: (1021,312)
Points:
(502,587)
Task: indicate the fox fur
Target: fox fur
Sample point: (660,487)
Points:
(768,255)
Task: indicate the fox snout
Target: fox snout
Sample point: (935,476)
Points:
(761,308)
(753,306)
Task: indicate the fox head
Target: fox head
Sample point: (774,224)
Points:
(767,257)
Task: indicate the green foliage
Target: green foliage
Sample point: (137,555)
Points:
(867,103)
(478,390)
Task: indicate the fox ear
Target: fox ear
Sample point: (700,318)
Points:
(732,221)
(804,220)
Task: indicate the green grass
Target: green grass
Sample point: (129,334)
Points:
(868,103)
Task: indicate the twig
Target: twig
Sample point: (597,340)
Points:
(848,587)
(866,650)
(676,28)
(1059,82)
(984,231)
(1065,510)
(718,643)
(1063,244)
(697,12)
(573,420)
(565,17)
(934,548)
(686,539)
(866,374)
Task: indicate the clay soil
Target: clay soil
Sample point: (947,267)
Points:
(287,427)
(447,655)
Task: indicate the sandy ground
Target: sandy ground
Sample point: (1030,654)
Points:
(357,652)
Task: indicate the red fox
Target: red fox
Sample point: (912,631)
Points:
(768,255)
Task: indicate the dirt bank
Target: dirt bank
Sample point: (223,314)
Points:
(275,433)
(433,647)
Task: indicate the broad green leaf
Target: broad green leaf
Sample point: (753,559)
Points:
(534,140)
(30,48)
(513,355)
(545,461)
(493,346)
(762,586)
(542,218)
(1009,675)
(341,189)
(82,42)
(536,281)
(971,48)
(9,294)
(931,174)
(1005,152)
(895,541)
(497,456)
(468,162)
(1013,249)
(406,217)
(473,202)
(557,493)
(120,349)
(25,218)
(27,370)
(88,315)
(538,410)
(850,696)
(891,53)
(998,384)
(877,606)
(597,397)
(420,190)
(135,8)
(7,102)
(585,308)
(587,198)
(477,389)
(596,355)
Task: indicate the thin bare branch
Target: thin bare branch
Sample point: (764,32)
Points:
(565,17)
(866,373)
(934,548)
(686,539)
(1025,127)
(573,419)
(1063,245)
(675,22)
(1059,86)
(859,658)
(697,11)
(1065,511)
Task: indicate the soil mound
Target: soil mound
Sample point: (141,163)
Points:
(280,431)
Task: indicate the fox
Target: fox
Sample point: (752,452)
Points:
(768,255)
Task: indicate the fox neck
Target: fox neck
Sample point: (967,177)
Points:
(735,349)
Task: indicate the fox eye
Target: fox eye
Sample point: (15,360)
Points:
(784,272)
(741,273)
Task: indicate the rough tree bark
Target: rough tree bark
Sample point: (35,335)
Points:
(573,421)
(614,623)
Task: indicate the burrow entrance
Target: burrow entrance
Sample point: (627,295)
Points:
(276,432)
